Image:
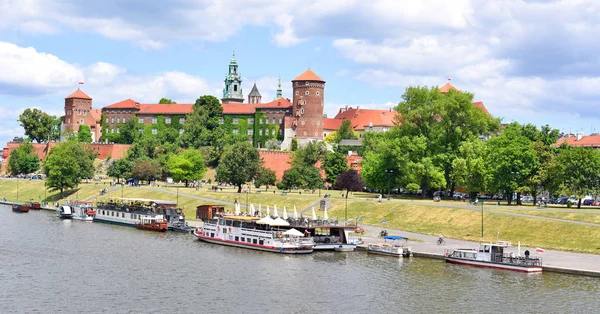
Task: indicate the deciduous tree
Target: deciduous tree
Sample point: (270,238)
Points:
(67,164)
(166,101)
(469,168)
(84,135)
(23,160)
(578,171)
(120,168)
(239,164)
(333,165)
(145,170)
(265,176)
(38,125)
(187,166)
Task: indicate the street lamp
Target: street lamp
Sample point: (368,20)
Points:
(482,219)
(389,174)
(17,190)
(247,193)
(177,197)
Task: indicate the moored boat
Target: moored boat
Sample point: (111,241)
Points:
(83,211)
(493,255)
(64,212)
(156,223)
(395,247)
(128,212)
(19,208)
(248,232)
(176,221)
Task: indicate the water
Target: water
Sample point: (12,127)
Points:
(61,266)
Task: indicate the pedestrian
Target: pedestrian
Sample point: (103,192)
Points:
(526,253)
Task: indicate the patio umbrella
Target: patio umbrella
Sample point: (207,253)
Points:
(251,210)
(259,210)
(237,209)
(285,216)
(265,221)
(279,222)
(294,233)
(268,211)
(275,214)
(295,213)
(314,216)
(325,216)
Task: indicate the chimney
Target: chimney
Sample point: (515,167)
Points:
(349,153)
(579,136)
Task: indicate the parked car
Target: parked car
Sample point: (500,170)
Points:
(587,202)
(527,199)
(552,201)
(562,201)
(458,196)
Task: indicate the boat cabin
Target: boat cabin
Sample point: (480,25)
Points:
(208,212)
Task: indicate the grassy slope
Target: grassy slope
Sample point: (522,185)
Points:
(584,217)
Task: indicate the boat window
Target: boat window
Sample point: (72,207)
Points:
(254,241)
(486,249)
(212,235)
(249,240)
(123,215)
(243,239)
(103,213)
(237,238)
(261,242)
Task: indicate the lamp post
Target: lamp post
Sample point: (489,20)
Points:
(482,219)
(346,218)
(17,189)
(389,173)
(247,193)
(177,197)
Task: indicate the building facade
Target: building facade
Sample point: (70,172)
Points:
(308,100)
(79,111)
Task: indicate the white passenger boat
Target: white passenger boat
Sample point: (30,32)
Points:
(492,255)
(83,211)
(393,246)
(245,232)
(128,212)
(64,212)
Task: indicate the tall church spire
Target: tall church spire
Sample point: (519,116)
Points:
(232,92)
(279,92)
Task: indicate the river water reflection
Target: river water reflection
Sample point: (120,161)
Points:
(51,265)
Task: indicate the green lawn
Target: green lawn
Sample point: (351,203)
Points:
(583,217)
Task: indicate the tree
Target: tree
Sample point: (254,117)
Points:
(294,144)
(200,124)
(310,154)
(84,135)
(291,179)
(578,171)
(333,165)
(166,101)
(67,164)
(55,128)
(345,132)
(469,168)
(145,170)
(273,144)
(186,166)
(302,176)
(23,160)
(38,125)
(238,164)
(265,176)
(130,131)
(120,168)
(349,180)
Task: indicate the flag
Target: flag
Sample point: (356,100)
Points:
(539,250)
(80,83)
(449,79)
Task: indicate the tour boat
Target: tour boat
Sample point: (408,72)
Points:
(156,223)
(247,232)
(19,208)
(176,221)
(396,247)
(328,236)
(492,255)
(64,212)
(32,205)
(127,212)
(83,211)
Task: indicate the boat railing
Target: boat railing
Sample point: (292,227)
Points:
(517,260)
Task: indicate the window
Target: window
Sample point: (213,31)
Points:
(235,88)
(106,120)
(221,120)
(118,120)
(261,121)
(237,239)
(117,130)
(181,120)
(260,131)
(112,120)
(236,120)
(78,112)
(180,131)
(235,131)
(81,121)
(123,215)
(318,93)
(301,110)
(318,122)
(112,130)
(250,132)
(280,120)
(85,112)
(254,241)
(273,120)
(280,132)
(154,120)
(243,239)
(302,122)
(306,93)
(168,120)
(261,242)
(250,120)
(297,93)
(141,120)
(153,131)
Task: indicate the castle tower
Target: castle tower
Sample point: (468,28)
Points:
(254,97)
(78,110)
(233,84)
(308,104)
(279,91)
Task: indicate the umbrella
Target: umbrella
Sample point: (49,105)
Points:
(275,214)
(314,216)
(279,222)
(237,209)
(325,216)
(251,210)
(295,213)
(285,216)
(259,210)
(294,233)
(268,211)
(265,221)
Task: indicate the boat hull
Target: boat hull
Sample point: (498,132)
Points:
(389,253)
(526,269)
(88,219)
(254,246)
(65,216)
(332,247)
(113,221)
(20,209)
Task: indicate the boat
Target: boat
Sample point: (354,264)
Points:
(342,248)
(327,235)
(493,255)
(64,212)
(19,208)
(395,247)
(176,221)
(156,223)
(250,233)
(32,205)
(128,211)
(83,211)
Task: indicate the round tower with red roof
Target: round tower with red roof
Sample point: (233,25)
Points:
(78,111)
(308,90)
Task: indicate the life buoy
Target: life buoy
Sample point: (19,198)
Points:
(279,234)
(218,228)
(446,254)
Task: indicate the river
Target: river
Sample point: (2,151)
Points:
(62,266)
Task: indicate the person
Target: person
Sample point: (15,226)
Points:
(306,233)
(526,253)
(380,197)
(512,256)
(440,239)
(235,202)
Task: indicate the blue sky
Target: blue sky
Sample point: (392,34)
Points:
(528,61)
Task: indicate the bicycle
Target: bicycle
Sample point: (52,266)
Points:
(441,241)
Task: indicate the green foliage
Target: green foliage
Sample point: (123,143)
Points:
(265,176)
(239,164)
(273,144)
(310,154)
(346,132)
(302,176)
(23,160)
(413,188)
(67,164)
(146,170)
(200,124)
(469,168)
(294,144)
(166,101)
(84,135)
(120,168)
(187,166)
(333,165)
(39,126)
(577,171)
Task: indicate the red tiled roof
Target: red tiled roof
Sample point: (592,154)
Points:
(331,124)
(124,104)
(308,75)
(479,104)
(362,118)
(277,103)
(245,108)
(165,108)
(447,87)
(78,94)
(96,114)
(584,141)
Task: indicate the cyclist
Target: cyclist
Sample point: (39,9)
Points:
(440,240)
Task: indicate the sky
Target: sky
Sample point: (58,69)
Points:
(528,61)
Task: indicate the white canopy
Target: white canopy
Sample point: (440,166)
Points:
(285,216)
(275,213)
(295,213)
(265,221)
(314,215)
(251,210)
(279,222)
(294,233)
(268,211)
(259,210)
(237,209)
(325,216)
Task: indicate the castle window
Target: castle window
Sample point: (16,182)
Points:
(180,131)
(85,112)
(302,122)
(297,93)
(154,120)
(118,120)
(250,120)
(118,130)
(112,120)
(141,120)
(250,132)
(318,93)
(235,131)
(301,110)
(69,121)
(280,120)
(168,120)
(274,121)
(112,130)
(221,120)
(181,120)
(236,121)
(260,131)
(81,121)
(154,131)
(306,93)
(235,88)
(280,131)
(106,120)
